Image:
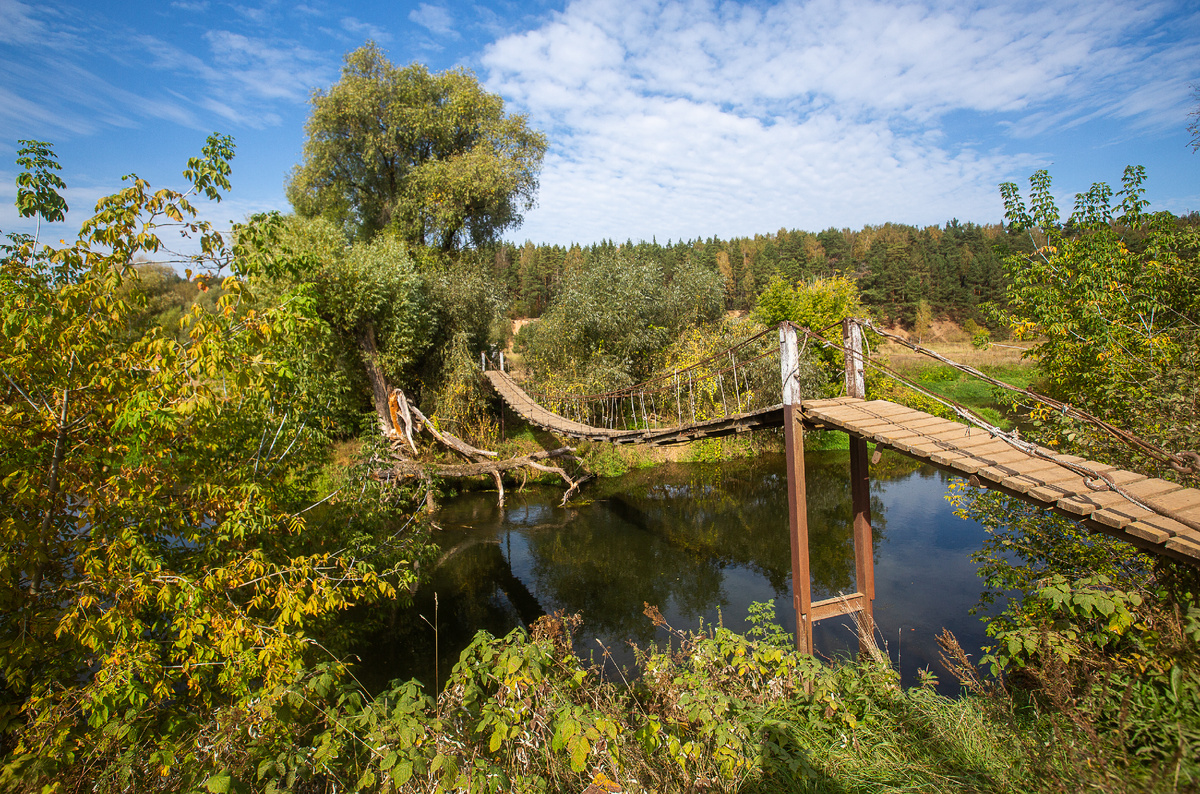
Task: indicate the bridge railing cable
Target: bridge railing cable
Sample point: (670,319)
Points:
(732,380)
(1187,462)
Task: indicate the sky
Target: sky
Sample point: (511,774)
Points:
(666,120)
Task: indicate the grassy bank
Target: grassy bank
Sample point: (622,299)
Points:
(1003,362)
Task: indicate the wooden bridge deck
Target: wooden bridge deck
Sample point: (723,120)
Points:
(968,451)
(535,414)
(952,446)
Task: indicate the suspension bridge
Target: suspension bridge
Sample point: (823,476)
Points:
(757,384)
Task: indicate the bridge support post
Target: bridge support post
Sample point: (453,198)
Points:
(793,432)
(860,489)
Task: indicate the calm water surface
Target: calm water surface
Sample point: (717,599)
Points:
(701,542)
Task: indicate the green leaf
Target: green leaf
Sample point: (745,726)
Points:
(578,747)
(404,772)
(220,783)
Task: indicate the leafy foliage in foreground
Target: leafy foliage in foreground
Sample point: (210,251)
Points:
(715,711)
(1096,635)
(161,572)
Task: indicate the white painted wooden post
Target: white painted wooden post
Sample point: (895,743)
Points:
(852,341)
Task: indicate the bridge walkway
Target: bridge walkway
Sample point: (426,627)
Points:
(1166,522)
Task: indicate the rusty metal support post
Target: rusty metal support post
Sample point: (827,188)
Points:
(793,433)
(860,487)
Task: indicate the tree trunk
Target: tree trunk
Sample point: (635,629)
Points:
(379,384)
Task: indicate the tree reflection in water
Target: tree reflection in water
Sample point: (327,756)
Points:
(700,541)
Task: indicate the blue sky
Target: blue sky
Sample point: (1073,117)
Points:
(665,119)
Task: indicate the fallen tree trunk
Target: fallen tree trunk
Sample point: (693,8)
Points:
(415,468)
(409,411)
(402,467)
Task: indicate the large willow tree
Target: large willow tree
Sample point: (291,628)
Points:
(432,157)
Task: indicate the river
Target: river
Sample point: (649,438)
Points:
(699,541)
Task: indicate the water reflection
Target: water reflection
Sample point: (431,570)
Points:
(701,542)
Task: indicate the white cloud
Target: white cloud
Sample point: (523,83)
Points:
(365,30)
(677,119)
(18,25)
(435,19)
(244,78)
(263,68)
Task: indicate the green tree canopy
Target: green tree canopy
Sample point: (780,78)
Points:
(432,156)
(385,316)
(1113,299)
(614,314)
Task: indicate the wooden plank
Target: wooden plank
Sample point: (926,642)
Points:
(836,409)
(1166,523)
(1077,505)
(857,408)
(1121,477)
(1120,516)
(1059,476)
(885,408)
(881,405)
(877,430)
(1069,458)
(1051,492)
(1030,476)
(958,460)
(912,436)
(1147,532)
(979,445)
(1140,490)
(931,444)
(838,605)
(855,424)
(1179,501)
(946,426)
(1010,459)
(1066,484)
(829,401)
(1037,466)
(919,448)
(1190,514)
(1184,546)
(1086,502)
